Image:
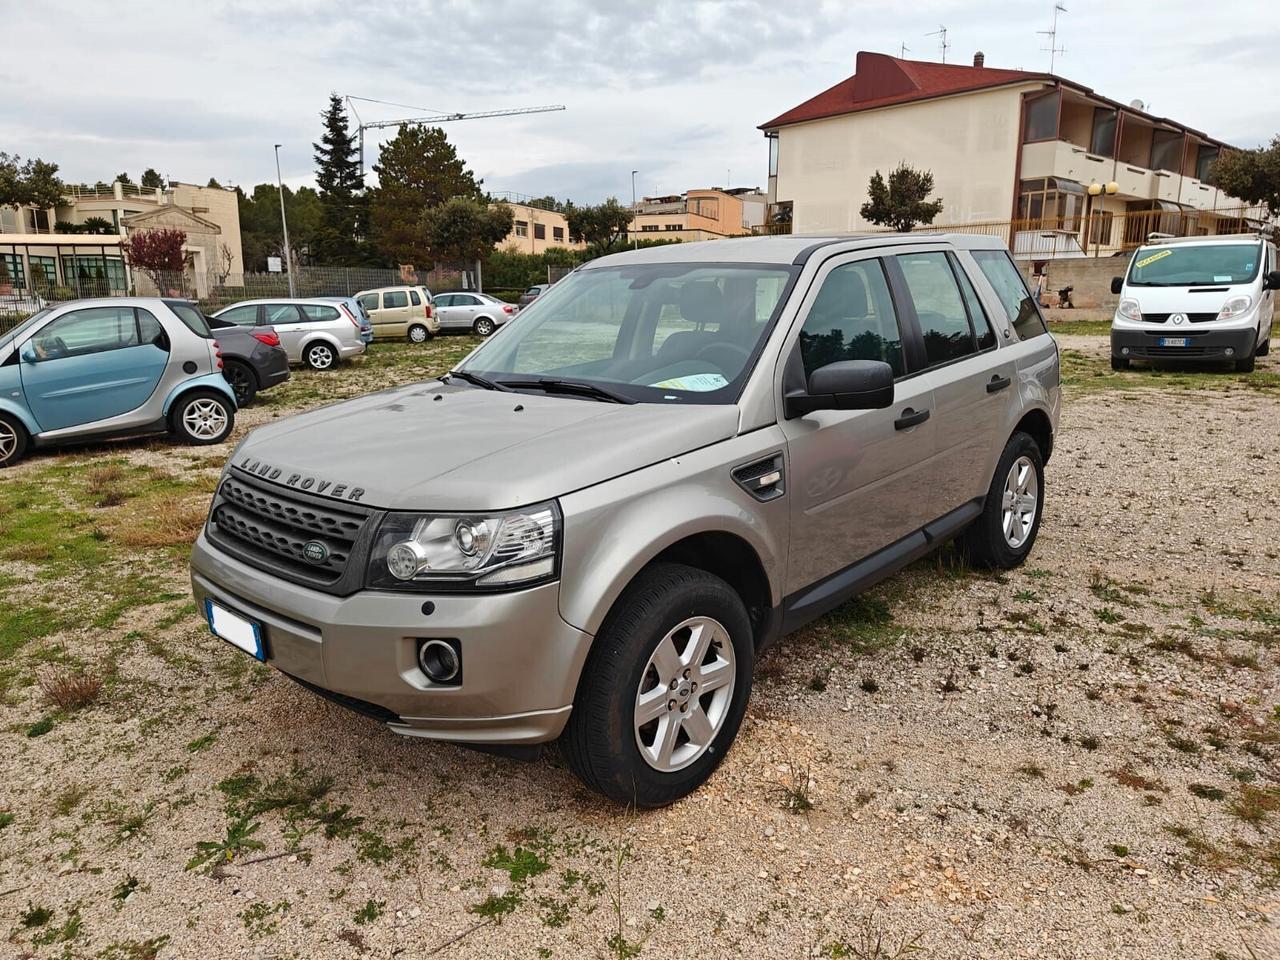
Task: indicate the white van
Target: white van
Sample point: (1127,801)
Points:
(1206,299)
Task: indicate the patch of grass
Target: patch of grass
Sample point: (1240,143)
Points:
(1128,777)
(865,623)
(1032,771)
(1206,792)
(40,727)
(793,791)
(69,798)
(1183,744)
(370,912)
(1089,742)
(35,916)
(1108,615)
(1255,804)
(202,743)
(496,906)
(6,818)
(125,888)
(70,690)
(520,864)
(263,919)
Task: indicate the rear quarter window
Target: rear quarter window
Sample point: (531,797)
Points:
(317,312)
(1005,278)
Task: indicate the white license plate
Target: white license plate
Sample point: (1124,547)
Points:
(237,630)
(1174,341)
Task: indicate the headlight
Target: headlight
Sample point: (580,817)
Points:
(1129,309)
(1235,307)
(461,551)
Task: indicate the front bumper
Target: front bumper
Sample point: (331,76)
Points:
(520,660)
(1203,346)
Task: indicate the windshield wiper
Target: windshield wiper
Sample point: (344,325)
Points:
(573,387)
(476,380)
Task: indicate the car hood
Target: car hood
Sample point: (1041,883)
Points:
(435,446)
(1186,299)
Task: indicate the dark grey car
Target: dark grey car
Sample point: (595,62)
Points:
(590,528)
(252,358)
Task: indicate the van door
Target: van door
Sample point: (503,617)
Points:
(973,383)
(857,477)
(395,314)
(91,365)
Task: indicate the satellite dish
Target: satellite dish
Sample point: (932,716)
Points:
(1137,105)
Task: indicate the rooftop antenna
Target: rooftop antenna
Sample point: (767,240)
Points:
(1052,33)
(941,34)
(902,53)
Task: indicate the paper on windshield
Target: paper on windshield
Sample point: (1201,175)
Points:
(697,382)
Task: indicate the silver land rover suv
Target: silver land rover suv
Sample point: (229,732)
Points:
(591,527)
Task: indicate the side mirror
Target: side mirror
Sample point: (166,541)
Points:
(1271,281)
(844,385)
(1117,284)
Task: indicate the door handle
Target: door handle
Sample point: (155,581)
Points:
(998,383)
(910,418)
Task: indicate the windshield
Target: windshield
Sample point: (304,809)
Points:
(1195,266)
(657,332)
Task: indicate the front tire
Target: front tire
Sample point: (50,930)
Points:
(202,417)
(418,333)
(13,440)
(484,327)
(243,383)
(1006,530)
(1119,363)
(664,689)
(320,356)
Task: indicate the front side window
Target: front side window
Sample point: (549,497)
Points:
(82,332)
(997,266)
(246,316)
(944,321)
(316,312)
(668,332)
(1199,265)
(395,298)
(853,318)
(369,301)
(444,300)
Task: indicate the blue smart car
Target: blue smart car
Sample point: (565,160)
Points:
(108,368)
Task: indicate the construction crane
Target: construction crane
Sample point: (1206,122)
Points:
(434,117)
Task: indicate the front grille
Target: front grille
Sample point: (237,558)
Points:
(1174,351)
(1193,317)
(271,528)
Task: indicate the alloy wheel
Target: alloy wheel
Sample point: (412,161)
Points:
(320,357)
(1020,502)
(8,440)
(685,694)
(205,418)
(484,327)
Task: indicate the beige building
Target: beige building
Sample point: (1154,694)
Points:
(36,257)
(699,214)
(1063,170)
(536,228)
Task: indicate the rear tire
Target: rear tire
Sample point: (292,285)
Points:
(484,327)
(1006,530)
(242,380)
(320,356)
(1119,363)
(654,629)
(418,333)
(13,440)
(202,417)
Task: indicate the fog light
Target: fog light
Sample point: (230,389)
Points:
(439,661)
(1230,351)
(1124,351)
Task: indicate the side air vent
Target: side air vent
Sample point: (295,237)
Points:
(764,479)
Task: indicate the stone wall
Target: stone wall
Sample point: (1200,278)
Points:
(1090,276)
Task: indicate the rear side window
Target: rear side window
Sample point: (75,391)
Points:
(852,318)
(246,316)
(395,298)
(944,321)
(997,266)
(316,312)
(281,313)
(414,298)
(188,314)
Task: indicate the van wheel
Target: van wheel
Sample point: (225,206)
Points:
(484,326)
(202,417)
(419,334)
(1006,530)
(13,440)
(1264,347)
(243,383)
(1246,364)
(1119,363)
(320,356)
(664,688)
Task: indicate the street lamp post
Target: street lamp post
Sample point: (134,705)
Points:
(284,225)
(634,238)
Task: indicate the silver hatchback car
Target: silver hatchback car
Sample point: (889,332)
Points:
(472,311)
(317,332)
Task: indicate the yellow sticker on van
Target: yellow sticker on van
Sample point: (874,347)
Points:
(1153,258)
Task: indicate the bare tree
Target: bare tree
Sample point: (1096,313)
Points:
(225,261)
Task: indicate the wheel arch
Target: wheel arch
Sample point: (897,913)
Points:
(22,415)
(1036,424)
(253,370)
(317,336)
(210,381)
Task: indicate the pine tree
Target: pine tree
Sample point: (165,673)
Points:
(341,188)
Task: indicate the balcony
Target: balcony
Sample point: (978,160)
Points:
(1058,158)
(1197,195)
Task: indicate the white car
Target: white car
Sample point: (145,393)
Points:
(473,311)
(1200,299)
(319,333)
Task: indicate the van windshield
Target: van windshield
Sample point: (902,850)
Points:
(1195,265)
(657,332)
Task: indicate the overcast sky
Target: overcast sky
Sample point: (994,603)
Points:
(674,90)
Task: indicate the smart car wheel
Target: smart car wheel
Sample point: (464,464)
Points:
(13,440)
(664,689)
(419,334)
(320,356)
(1005,531)
(484,326)
(242,381)
(203,417)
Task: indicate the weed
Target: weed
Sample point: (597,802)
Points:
(869,685)
(239,840)
(1206,792)
(125,888)
(202,743)
(1255,804)
(40,727)
(949,684)
(1031,770)
(1128,777)
(496,906)
(1183,744)
(1120,850)
(373,848)
(1108,615)
(370,912)
(35,916)
(917,654)
(793,791)
(818,682)
(1089,743)
(263,919)
(6,818)
(520,864)
(69,799)
(68,690)
(1026,596)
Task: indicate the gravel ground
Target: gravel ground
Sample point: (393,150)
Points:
(1077,759)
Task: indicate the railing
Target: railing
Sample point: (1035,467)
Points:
(524,199)
(106,191)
